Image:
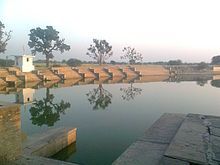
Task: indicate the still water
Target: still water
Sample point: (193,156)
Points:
(109,117)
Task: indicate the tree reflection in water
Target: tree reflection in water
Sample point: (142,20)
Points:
(201,82)
(45,112)
(99,97)
(215,83)
(130,93)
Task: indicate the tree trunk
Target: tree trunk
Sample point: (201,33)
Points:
(47,61)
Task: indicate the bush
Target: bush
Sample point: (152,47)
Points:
(73,62)
(112,62)
(202,65)
(6,63)
(174,62)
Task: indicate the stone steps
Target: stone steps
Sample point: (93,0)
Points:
(115,72)
(47,75)
(31,77)
(129,72)
(152,70)
(2,82)
(150,148)
(86,73)
(66,72)
(99,72)
(177,139)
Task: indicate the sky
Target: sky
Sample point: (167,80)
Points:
(161,30)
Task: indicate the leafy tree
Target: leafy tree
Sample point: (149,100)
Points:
(4,38)
(73,62)
(174,62)
(216,60)
(46,41)
(100,97)
(130,93)
(100,50)
(132,55)
(45,112)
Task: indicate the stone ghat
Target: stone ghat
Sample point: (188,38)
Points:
(17,148)
(13,76)
(177,139)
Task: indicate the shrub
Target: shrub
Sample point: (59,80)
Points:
(202,65)
(73,62)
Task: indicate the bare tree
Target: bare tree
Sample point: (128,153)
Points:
(132,55)
(4,38)
(100,50)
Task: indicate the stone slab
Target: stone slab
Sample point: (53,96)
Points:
(215,147)
(215,131)
(164,129)
(142,153)
(188,142)
(52,143)
(170,161)
(35,160)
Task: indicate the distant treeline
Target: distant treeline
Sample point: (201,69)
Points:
(77,62)
(6,63)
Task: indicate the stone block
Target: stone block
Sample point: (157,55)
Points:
(142,153)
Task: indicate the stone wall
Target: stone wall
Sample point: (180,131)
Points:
(10,132)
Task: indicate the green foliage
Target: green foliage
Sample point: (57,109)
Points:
(73,62)
(6,63)
(46,41)
(100,51)
(4,38)
(175,62)
(132,55)
(216,60)
(202,65)
(112,62)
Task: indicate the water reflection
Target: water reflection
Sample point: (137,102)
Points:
(65,153)
(215,83)
(201,82)
(130,93)
(45,112)
(99,97)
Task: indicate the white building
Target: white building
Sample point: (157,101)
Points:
(24,62)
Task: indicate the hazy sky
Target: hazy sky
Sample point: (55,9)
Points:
(160,29)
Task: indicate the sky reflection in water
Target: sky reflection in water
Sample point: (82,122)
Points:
(109,117)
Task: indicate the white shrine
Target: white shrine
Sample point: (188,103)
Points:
(25,63)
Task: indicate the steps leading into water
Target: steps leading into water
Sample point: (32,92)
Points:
(47,75)
(66,72)
(177,139)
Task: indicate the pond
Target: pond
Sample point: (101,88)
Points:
(109,117)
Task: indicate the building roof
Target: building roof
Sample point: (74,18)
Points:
(24,55)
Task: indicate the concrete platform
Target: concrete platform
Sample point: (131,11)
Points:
(50,143)
(36,160)
(177,139)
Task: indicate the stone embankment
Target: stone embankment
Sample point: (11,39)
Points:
(177,139)
(18,148)
(13,76)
